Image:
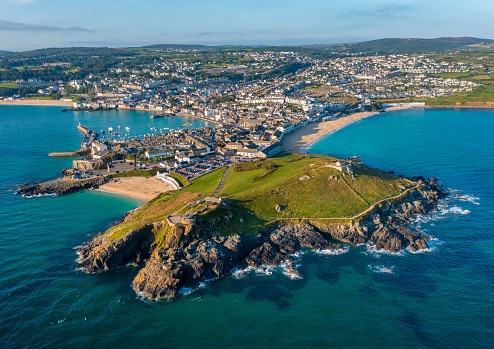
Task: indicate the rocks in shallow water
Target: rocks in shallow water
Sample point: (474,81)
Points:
(266,254)
(60,186)
(290,238)
(285,241)
(169,270)
(159,280)
(291,269)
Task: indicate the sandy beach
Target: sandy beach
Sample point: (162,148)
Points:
(300,140)
(39,102)
(137,187)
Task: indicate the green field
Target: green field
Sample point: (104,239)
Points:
(284,188)
(293,184)
(41,98)
(8,84)
(482,94)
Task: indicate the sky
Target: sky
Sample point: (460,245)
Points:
(32,24)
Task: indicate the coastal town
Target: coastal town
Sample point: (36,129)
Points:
(250,102)
(275,83)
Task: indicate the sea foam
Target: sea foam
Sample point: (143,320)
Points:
(431,244)
(371,249)
(379,268)
(335,252)
(38,195)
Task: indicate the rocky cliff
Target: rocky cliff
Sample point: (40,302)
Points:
(104,252)
(183,255)
(387,225)
(61,186)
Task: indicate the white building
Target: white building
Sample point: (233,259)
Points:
(157,153)
(247,153)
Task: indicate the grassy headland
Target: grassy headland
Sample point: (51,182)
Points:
(285,188)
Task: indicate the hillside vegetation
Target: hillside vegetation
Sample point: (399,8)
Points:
(289,188)
(416,45)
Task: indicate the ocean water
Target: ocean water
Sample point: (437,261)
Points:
(438,299)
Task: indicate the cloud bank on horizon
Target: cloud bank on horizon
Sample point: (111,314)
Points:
(30,24)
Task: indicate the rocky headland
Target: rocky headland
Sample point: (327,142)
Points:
(60,186)
(183,254)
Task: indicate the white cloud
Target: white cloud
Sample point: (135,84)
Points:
(16,26)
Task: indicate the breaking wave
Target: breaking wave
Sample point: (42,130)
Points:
(371,249)
(379,268)
(265,270)
(337,251)
(39,195)
(447,207)
(431,244)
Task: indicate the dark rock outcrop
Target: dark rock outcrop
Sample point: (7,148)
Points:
(104,253)
(170,269)
(60,186)
(286,241)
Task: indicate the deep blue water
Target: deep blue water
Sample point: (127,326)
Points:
(438,299)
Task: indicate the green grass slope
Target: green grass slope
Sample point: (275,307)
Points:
(308,188)
(288,187)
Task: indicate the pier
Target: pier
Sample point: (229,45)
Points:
(84,129)
(162,115)
(199,118)
(89,136)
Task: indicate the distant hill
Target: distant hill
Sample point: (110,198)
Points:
(414,45)
(385,46)
(183,46)
(71,52)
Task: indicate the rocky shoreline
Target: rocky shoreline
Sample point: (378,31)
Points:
(60,186)
(195,252)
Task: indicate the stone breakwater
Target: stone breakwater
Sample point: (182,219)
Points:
(61,186)
(191,254)
(80,152)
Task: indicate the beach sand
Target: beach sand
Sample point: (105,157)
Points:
(38,102)
(300,140)
(137,187)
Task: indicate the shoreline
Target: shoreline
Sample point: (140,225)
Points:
(458,107)
(142,188)
(300,140)
(37,102)
(118,193)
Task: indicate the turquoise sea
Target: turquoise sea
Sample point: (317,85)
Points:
(438,299)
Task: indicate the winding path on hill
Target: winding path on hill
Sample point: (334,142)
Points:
(222,183)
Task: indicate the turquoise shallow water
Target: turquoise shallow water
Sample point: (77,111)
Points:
(438,299)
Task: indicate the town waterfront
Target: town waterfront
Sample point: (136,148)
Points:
(441,298)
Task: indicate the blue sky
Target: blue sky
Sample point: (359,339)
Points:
(30,24)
